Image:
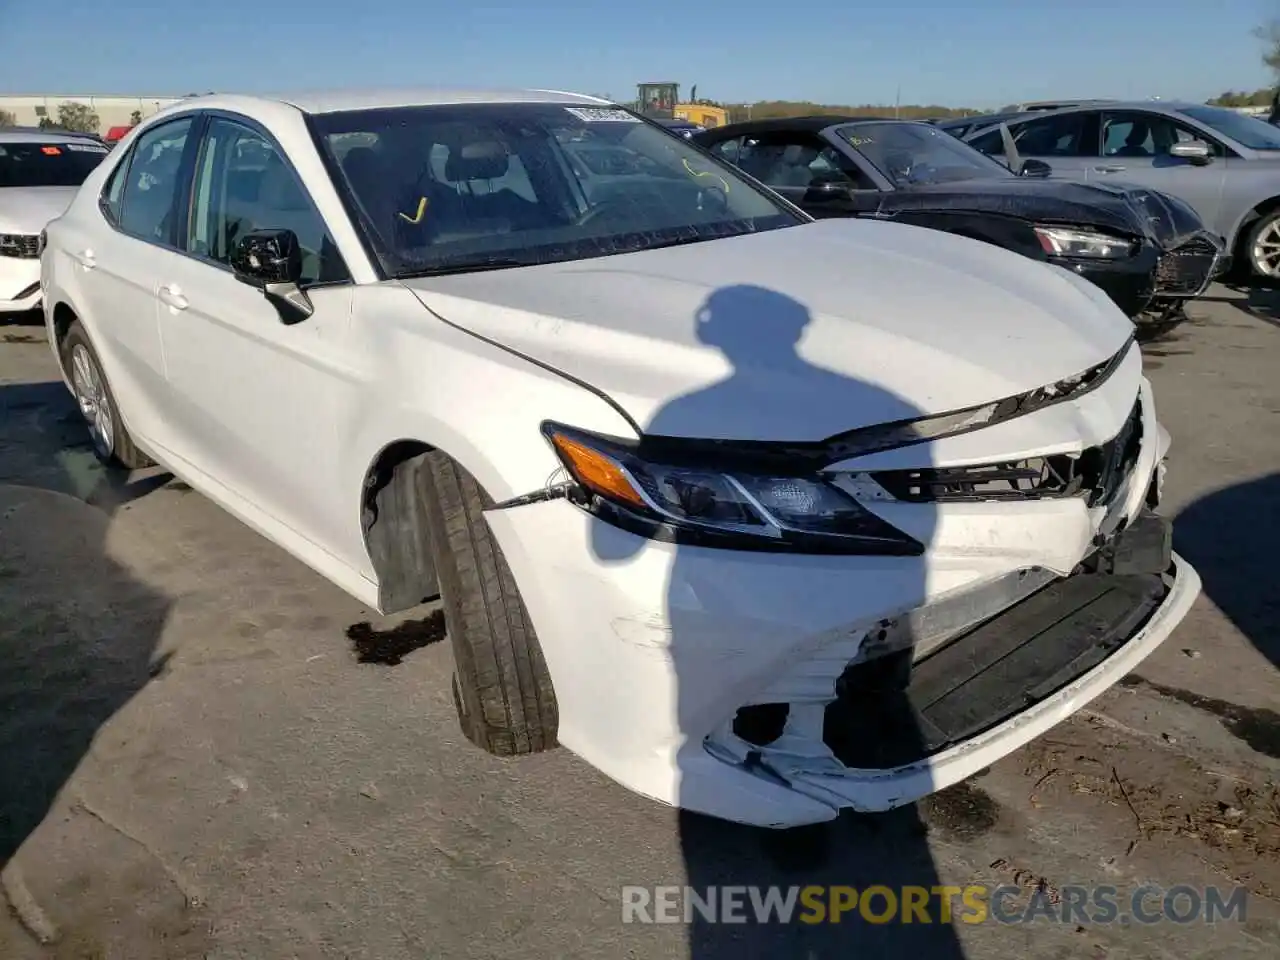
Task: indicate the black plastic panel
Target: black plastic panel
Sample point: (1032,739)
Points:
(991,673)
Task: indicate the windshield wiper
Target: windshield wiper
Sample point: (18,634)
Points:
(464,266)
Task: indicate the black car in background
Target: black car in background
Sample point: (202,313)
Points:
(1148,251)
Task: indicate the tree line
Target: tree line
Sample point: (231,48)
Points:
(72,116)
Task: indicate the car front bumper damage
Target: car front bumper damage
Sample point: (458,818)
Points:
(776,690)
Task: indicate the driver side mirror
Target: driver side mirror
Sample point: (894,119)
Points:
(1197,151)
(1036,169)
(827,191)
(271,260)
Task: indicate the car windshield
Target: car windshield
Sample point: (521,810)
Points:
(460,187)
(1243,129)
(916,154)
(47,163)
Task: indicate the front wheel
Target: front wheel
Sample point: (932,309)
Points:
(1262,247)
(501,688)
(111,441)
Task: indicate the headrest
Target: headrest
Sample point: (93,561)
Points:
(362,164)
(799,154)
(482,160)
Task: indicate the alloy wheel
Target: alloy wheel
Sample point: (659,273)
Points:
(1266,250)
(91,394)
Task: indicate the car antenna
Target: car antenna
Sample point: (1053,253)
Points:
(1010,148)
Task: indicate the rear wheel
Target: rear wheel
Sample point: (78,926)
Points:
(501,687)
(111,441)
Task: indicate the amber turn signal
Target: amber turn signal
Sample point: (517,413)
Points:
(596,471)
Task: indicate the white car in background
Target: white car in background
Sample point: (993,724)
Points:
(764,517)
(40,171)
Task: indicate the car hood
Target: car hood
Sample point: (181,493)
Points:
(1116,207)
(795,334)
(29,209)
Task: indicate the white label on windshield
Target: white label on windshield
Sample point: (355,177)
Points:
(602,115)
(85,147)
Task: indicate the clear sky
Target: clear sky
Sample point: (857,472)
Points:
(980,53)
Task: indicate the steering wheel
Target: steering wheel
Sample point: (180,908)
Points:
(718,205)
(595,212)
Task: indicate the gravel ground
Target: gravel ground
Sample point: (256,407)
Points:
(208,751)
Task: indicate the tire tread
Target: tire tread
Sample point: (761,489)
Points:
(506,703)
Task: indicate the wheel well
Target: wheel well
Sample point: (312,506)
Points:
(394,522)
(63,317)
(1252,217)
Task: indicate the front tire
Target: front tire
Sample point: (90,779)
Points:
(501,687)
(111,441)
(1262,247)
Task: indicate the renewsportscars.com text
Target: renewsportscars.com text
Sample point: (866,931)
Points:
(1148,904)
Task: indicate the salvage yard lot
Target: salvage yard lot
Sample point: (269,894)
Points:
(207,750)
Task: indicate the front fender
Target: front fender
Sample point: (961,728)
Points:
(440,386)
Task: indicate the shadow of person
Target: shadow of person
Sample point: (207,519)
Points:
(78,630)
(1230,537)
(776,633)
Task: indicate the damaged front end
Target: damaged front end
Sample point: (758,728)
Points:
(940,677)
(885,712)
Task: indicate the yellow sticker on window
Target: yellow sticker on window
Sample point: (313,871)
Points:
(706,173)
(417,217)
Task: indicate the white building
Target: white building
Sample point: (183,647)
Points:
(28,111)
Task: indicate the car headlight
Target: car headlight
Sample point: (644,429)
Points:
(702,504)
(1064,242)
(41,242)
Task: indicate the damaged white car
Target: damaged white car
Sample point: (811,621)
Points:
(763,517)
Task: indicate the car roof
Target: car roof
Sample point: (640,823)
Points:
(1038,106)
(44,134)
(1152,106)
(809,124)
(334,101)
(987,119)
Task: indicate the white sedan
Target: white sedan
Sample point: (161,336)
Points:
(764,517)
(40,171)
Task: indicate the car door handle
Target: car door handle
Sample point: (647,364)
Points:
(1108,169)
(86,259)
(172,297)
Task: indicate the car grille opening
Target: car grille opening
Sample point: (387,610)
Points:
(1185,270)
(19,245)
(1096,474)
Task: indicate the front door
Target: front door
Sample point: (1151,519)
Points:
(1134,148)
(255,397)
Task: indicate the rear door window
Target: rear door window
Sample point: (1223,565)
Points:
(148,207)
(1058,136)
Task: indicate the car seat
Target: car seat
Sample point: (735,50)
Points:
(1135,144)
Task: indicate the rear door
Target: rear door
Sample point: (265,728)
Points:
(1134,148)
(117,264)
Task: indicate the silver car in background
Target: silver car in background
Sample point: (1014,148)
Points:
(1225,164)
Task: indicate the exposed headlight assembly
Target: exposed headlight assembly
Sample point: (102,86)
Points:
(1086,244)
(744,509)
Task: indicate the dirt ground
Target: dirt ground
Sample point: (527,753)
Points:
(208,751)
